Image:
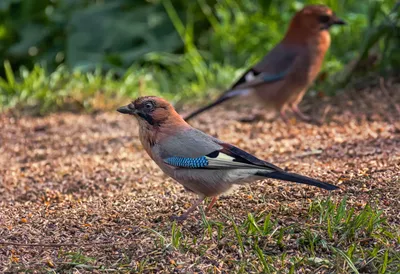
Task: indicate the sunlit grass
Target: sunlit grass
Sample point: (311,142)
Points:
(334,237)
(241,33)
(40,92)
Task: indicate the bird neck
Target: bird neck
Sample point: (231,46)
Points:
(298,34)
(319,45)
(152,134)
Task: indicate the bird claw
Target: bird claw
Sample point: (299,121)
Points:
(306,118)
(303,116)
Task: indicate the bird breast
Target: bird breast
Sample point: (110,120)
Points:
(318,47)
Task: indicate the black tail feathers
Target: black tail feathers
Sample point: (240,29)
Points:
(224,97)
(292,177)
(213,104)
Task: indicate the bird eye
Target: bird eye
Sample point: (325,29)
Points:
(149,106)
(324,18)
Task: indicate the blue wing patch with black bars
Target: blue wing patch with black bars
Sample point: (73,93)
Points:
(273,78)
(187,162)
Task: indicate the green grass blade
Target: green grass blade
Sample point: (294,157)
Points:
(9,74)
(238,236)
(346,258)
(385,262)
(261,256)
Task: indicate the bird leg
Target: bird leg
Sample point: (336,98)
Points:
(213,201)
(190,210)
(282,113)
(300,114)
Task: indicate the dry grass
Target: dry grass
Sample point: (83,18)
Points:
(85,180)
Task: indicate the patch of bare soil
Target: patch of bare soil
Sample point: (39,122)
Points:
(85,179)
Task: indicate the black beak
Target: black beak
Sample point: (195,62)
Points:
(338,21)
(126,110)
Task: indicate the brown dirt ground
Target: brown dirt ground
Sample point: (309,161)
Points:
(80,179)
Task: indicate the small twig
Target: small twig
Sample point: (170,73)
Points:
(54,245)
(308,153)
(364,240)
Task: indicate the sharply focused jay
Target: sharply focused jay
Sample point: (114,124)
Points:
(201,163)
(281,78)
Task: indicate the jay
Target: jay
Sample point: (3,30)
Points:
(199,162)
(282,77)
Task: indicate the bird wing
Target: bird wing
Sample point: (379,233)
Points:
(190,143)
(276,66)
(273,67)
(195,149)
(242,88)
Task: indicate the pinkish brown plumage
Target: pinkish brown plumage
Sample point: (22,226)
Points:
(281,78)
(202,164)
(164,114)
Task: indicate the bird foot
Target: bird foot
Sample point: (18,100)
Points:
(306,118)
(185,215)
(303,116)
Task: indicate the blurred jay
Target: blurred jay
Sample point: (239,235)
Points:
(201,163)
(281,78)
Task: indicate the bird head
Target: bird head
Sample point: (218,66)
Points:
(150,111)
(314,18)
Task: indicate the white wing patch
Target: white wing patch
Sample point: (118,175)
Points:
(225,161)
(249,76)
(239,92)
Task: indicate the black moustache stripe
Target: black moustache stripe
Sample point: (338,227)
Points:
(147,117)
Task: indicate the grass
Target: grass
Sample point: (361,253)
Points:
(359,242)
(40,92)
(209,63)
(333,237)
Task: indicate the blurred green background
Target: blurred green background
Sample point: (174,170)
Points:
(92,54)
